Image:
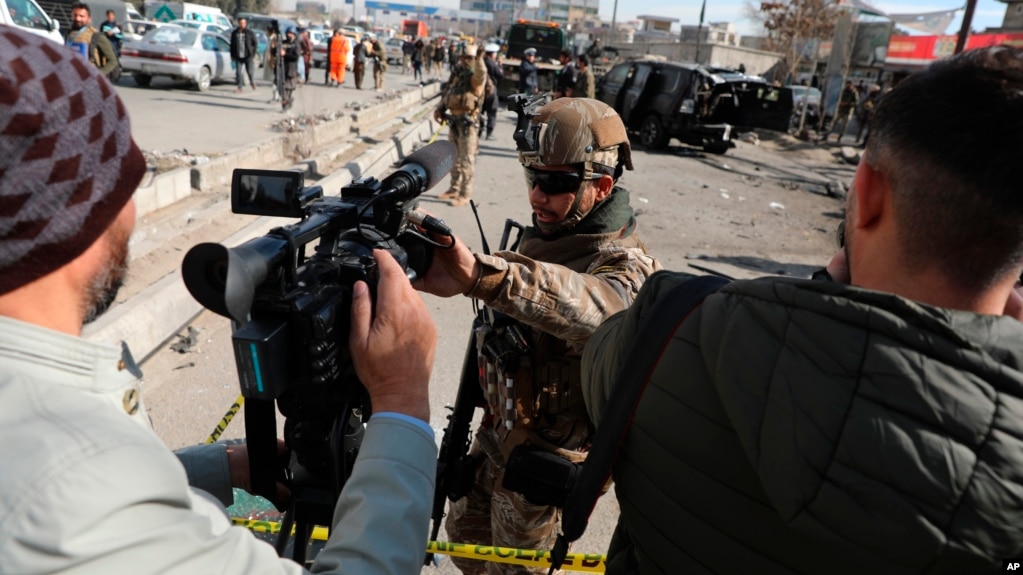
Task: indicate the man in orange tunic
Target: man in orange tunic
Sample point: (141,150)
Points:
(337,59)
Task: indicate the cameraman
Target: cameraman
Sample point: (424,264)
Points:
(868,424)
(85,485)
(580,262)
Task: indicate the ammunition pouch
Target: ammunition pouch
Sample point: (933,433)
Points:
(542,477)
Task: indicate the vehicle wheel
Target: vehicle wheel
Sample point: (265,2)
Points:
(205,79)
(652,133)
(721,148)
(142,79)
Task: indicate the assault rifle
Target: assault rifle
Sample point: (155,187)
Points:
(456,469)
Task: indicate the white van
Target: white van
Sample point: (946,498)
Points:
(28,16)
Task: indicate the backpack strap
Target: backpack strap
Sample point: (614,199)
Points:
(662,321)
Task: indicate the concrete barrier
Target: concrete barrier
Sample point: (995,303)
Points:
(166,189)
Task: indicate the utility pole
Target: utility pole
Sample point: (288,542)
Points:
(964,31)
(614,34)
(699,31)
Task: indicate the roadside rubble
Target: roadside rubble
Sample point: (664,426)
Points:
(173,159)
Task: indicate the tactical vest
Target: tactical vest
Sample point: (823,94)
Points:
(460,96)
(531,384)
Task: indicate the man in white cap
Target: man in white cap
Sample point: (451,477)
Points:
(494,76)
(529,80)
(460,106)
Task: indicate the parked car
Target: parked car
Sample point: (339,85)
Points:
(392,46)
(199,25)
(663,100)
(801,93)
(177,52)
(321,47)
(809,96)
(316,35)
(134,30)
(260,21)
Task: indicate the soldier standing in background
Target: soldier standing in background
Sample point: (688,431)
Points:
(464,98)
(379,64)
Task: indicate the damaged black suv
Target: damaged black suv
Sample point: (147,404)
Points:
(700,106)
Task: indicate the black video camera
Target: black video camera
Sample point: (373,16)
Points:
(290,311)
(527,138)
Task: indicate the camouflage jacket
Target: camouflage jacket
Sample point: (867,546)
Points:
(464,93)
(561,290)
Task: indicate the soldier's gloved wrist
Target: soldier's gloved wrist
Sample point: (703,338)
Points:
(492,271)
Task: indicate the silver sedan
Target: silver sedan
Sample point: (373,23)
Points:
(183,53)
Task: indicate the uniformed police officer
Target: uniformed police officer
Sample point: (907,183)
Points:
(579,263)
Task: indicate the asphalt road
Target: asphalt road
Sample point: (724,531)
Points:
(752,212)
(171,115)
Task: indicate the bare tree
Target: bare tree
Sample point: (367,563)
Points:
(795,27)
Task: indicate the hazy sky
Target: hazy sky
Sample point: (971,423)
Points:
(989,13)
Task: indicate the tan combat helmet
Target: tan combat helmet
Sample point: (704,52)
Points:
(577,131)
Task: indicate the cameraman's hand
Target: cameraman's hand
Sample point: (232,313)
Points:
(453,271)
(393,349)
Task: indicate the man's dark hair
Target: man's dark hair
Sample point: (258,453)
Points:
(566,53)
(948,138)
(109,12)
(81,6)
(584,59)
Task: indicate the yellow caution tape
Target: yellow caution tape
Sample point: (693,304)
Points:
(319,533)
(582,562)
(573,561)
(435,133)
(226,420)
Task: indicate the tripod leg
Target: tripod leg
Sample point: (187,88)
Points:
(285,534)
(302,534)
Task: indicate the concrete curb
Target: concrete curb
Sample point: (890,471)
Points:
(154,315)
(175,185)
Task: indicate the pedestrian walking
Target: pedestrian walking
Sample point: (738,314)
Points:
(243,54)
(585,85)
(273,59)
(291,55)
(417,60)
(337,59)
(490,98)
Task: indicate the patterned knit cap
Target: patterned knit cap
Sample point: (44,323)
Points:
(68,163)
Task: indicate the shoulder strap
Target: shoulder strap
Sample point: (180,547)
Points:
(663,320)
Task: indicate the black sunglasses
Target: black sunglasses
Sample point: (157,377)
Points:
(555,183)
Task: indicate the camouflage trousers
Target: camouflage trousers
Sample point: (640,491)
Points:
(466,139)
(492,515)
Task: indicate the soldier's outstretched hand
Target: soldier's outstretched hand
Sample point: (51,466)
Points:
(453,271)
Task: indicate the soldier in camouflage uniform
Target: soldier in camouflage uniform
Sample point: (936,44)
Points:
(463,97)
(578,264)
